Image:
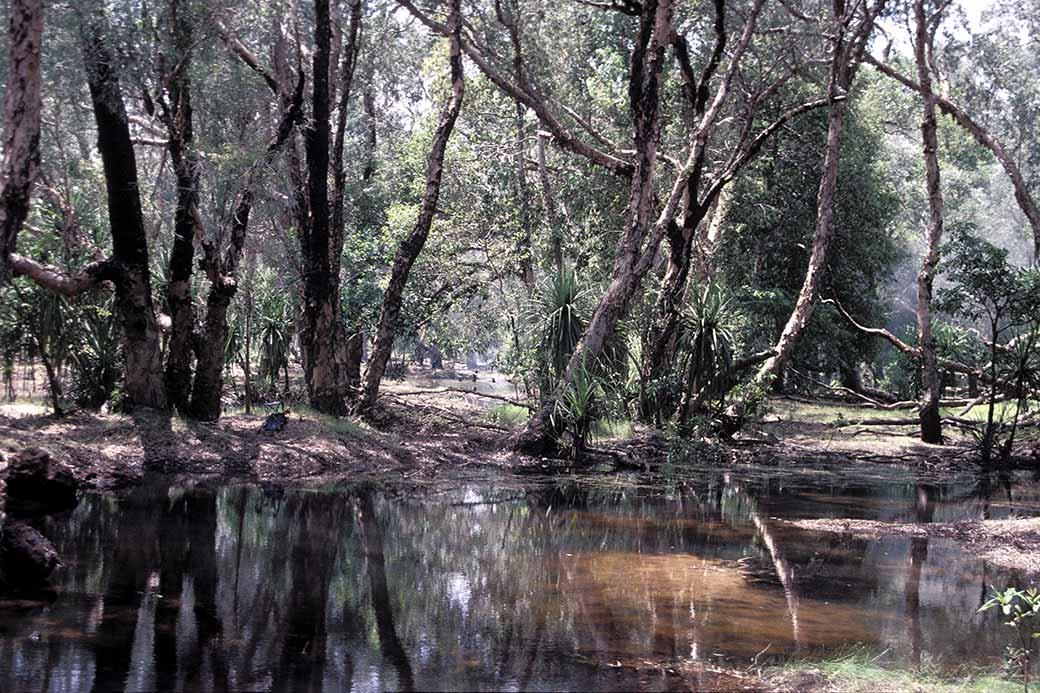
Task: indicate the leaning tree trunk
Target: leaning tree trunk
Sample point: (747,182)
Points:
(931,423)
(849,42)
(143,382)
(540,435)
(413,244)
(22,105)
(806,303)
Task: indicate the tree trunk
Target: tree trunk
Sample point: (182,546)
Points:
(321,331)
(247,362)
(186,168)
(931,423)
(22,105)
(209,368)
(413,244)
(222,270)
(144,382)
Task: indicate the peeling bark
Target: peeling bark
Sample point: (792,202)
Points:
(631,261)
(321,332)
(180,128)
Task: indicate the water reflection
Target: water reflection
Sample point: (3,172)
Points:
(254,588)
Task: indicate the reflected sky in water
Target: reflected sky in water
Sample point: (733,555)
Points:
(550,587)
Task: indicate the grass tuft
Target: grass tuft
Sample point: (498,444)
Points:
(861,671)
(508,415)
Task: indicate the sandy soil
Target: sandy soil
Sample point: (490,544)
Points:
(1009,543)
(111,451)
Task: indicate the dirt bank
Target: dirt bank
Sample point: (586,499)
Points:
(111,451)
(1009,543)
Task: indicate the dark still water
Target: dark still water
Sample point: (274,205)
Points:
(549,587)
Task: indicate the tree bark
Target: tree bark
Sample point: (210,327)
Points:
(144,382)
(690,237)
(413,244)
(22,105)
(321,331)
(850,38)
(931,422)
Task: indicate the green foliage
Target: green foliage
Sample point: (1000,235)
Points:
(508,415)
(706,341)
(559,316)
(577,410)
(1021,608)
(768,235)
(984,287)
(984,284)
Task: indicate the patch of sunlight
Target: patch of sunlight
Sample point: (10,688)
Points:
(337,425)
(25,407)
(612,429)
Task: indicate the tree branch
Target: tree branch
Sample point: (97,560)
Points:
(57,280)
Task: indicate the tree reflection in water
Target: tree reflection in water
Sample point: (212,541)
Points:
(251,588)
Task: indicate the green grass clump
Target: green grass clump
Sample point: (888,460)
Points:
(508,415)
(339,426)
(858,670)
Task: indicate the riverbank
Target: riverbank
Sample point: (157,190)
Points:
(429,429)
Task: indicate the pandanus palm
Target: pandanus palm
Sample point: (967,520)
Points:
(706,345)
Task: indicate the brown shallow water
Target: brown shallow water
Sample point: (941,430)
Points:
(499,587)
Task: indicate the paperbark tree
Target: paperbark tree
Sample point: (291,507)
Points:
(144,381)
(319,216)
(128,266)
(702,187)
(178,117)
(851,27)
(931,422)
(412,245)
(222,271)
(631,260)
(322,337)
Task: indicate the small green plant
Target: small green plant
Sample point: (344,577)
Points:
(578,408)
(1021,608)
